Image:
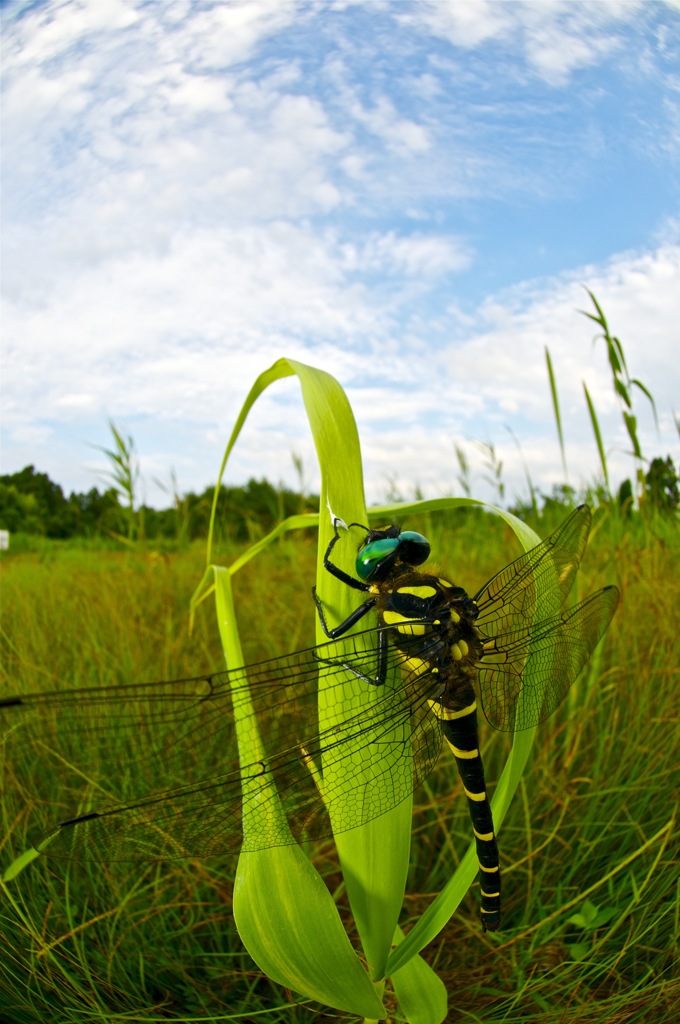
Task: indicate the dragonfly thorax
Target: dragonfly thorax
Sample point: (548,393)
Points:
(431,620)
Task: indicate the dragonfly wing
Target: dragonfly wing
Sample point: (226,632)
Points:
(150,769)
(525,674)
(543,576)
(136,772)
(361,767)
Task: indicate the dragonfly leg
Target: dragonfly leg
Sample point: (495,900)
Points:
(380,667)
(339,574)
(350,621)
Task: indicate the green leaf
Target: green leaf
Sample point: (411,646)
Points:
(640,386)
(421,995)
(556,409)
(19,863)
(579,951)
(631,427)
(598,435)
(619,356)
(299,942)
(622,391)
(614,354)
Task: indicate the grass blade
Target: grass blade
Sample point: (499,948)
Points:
(556,410)
(598,436)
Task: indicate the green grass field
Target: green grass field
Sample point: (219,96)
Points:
(589,850)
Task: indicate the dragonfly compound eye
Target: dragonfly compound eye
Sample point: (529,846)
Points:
(378,556)
(414,549)
(375,555)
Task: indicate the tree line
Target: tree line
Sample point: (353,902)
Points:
(32,503)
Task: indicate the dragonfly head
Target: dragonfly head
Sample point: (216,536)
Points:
(383,549)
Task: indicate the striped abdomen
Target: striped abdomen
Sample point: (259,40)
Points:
(460,731)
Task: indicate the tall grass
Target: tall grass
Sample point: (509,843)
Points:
(589,853)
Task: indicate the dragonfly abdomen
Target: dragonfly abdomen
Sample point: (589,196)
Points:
(459,728)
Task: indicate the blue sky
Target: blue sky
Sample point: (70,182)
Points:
(411,196)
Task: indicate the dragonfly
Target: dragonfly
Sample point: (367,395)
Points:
(152,770)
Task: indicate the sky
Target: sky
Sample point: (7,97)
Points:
(412,196)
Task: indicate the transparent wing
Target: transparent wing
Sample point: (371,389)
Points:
(151,770)
(525,674)
(511,598)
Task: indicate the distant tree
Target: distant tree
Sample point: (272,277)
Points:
(662,487)
(94,512)
(19,512)
(626,498)
(48,513)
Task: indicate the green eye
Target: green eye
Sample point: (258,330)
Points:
(370,557)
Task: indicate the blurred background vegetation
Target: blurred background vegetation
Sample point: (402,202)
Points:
(31,503)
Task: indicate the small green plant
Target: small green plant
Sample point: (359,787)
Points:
(624,386)
(464,472)
(124,475)
(494,468)
(588,920)
(180,507)
(556,410)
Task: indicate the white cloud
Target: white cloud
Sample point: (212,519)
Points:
(426,257)
(219,36)
(399,133)
(209,37)
(557,36)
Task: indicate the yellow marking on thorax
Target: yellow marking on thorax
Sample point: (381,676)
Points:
(426,591)
(404,624)
(460,650)
(455,617)
(417,667)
